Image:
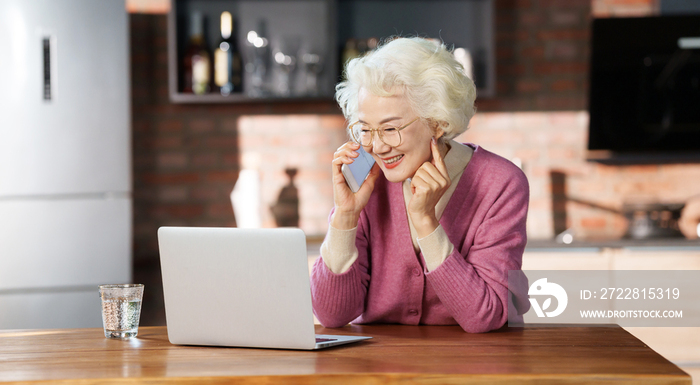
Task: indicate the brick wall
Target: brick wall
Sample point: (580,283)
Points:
(541,55)
(626,8)
(270,144)
(547,142)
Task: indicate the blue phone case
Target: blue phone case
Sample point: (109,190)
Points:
(361,166)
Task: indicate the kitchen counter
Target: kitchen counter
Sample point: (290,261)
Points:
(662,244)
(549,245)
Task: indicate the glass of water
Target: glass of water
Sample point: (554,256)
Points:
(121,309)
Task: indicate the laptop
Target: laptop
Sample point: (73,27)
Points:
(239,287)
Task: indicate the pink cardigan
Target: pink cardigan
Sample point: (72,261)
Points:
(484,220)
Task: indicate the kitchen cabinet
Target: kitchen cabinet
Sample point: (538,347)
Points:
(680,345)
(324,28)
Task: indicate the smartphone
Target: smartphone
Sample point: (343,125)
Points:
(356,172)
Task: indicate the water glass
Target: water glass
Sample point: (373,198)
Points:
(121,309)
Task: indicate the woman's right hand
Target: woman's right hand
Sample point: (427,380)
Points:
(348,205)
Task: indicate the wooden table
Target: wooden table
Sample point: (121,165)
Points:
(397,354)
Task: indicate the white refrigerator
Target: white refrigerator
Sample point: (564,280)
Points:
(65,160)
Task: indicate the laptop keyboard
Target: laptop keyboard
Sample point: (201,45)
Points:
(325,339)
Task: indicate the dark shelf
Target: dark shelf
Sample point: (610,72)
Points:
(240,98)
(325,24)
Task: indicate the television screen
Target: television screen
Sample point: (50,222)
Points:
(645,85)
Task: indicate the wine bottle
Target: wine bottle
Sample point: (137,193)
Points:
(228,64)
(197,63)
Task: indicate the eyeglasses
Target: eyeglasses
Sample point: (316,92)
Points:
(364,134)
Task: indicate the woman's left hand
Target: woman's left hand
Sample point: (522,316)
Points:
(428,185)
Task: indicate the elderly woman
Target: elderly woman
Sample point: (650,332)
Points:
(432,233)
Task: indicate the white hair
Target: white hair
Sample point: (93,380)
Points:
(431,79)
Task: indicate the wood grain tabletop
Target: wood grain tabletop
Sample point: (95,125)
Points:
(396,354)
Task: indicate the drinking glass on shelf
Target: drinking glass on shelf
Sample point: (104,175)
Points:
(286,59)
(313,64)
(258,57)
